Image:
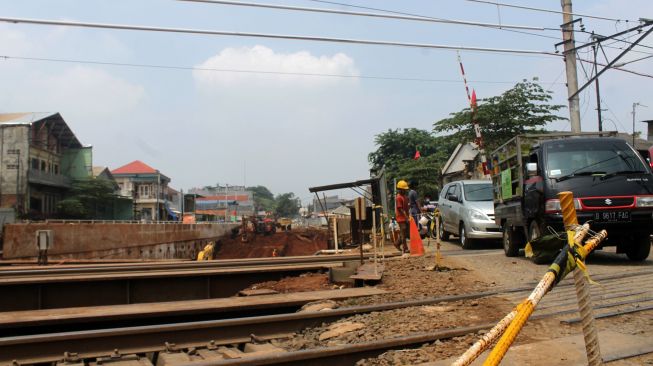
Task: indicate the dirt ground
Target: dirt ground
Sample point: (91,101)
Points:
(296,242)
(405,278)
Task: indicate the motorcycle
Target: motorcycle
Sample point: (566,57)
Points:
(427,225)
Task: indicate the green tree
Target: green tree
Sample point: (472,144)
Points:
(263,198)
(86,199)
(287,205)
(396,149)
(525,108)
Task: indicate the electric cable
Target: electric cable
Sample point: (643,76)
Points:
(171,67)
(496,3)
(266,35)
(423,16)
(375,15)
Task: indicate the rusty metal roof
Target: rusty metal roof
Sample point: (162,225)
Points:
(58,125)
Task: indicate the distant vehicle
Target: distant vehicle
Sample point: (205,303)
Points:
(611,184)
(284,223)
(466,210)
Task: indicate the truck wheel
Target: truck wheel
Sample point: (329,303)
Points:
(534,230)
(443,234)
(640,249)
(511,242)
(465,242)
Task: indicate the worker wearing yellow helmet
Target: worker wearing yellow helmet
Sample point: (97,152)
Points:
(401,215)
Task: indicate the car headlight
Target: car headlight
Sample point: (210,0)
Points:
(553,205)
(478,215)
(646,201)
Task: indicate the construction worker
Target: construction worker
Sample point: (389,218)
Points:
(415,208)
(401,215)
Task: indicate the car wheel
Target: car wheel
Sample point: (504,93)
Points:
(444,235)
(510,247)
(640,249)
(465,242)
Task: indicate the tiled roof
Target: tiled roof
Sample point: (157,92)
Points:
(135,167)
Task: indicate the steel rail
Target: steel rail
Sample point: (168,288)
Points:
(220,263)
(98,342)
(351,353)
(151,338)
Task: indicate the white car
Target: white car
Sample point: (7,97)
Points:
(467,210)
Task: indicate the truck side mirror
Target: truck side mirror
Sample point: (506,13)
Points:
(531,169)
(453,197)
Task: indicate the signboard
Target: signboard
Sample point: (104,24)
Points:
(506,184)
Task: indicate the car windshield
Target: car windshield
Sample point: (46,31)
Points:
(478,192)
(587,158)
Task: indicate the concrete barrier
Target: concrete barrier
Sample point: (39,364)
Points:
(109,240)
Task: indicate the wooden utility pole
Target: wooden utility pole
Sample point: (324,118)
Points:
(570,64)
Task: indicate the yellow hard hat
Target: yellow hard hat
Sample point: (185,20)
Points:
(402,184)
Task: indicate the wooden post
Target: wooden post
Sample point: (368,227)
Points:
(335,234)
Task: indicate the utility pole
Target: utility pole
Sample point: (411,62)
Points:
(598,94)
(634,106)
(570,64)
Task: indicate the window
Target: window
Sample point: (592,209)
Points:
(43,166)
(35,163)
(452,190)
(144,191)
(478,192)
(56,168)
(587,158)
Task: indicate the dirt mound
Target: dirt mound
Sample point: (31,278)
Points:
(304,282)
(292,243)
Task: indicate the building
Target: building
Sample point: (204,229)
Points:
(219,203)
(148,188)
(40,156)
(120,208)
(327,204)
(464,163)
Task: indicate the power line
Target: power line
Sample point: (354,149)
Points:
(374,15)
(262,72)
(424,16)
(267,35)
(548,10)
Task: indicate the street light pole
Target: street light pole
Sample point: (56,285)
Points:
(634,106)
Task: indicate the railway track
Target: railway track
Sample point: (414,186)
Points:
(51,288)
(179,343)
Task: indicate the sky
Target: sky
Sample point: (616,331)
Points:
(286,131)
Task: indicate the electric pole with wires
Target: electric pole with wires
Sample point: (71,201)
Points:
(570,64)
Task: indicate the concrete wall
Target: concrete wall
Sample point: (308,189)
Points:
(112,240)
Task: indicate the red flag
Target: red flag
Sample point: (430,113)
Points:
(473,102)
(417,155)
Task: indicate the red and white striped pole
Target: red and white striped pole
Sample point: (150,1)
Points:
(477,129)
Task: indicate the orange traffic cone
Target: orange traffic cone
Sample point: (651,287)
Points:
(416,246)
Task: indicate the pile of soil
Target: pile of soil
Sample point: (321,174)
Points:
(296,242)
(405,278)
(304,282)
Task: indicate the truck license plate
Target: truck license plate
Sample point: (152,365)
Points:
(612,216)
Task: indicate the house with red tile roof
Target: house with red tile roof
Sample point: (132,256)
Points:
(148,187)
